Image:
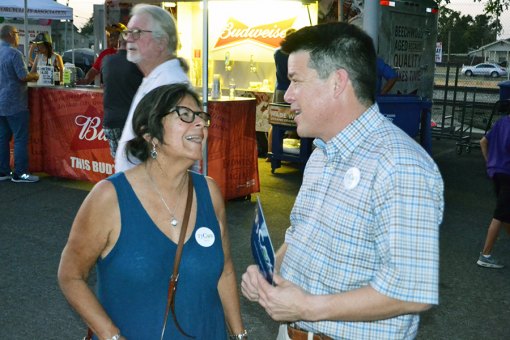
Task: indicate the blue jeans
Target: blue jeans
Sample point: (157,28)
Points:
(18,126)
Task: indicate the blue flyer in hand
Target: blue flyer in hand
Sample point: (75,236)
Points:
(261,245)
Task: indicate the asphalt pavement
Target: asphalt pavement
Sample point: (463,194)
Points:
(35,221)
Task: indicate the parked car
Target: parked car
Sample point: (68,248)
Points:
(83,58)
(485,69)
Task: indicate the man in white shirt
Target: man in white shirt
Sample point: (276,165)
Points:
(151,44)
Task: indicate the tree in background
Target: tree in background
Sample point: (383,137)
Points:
(495,7)
(465,33)
(88,28)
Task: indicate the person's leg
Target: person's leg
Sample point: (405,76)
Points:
(269,142)
(492,235)
(19,124)
(5,152)
(500,218)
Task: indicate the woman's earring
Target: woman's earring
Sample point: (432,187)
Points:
(154,153)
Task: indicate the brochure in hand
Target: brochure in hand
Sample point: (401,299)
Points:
(261,246)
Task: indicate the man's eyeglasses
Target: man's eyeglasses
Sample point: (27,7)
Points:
(135,34)
(187,115)
(15,32)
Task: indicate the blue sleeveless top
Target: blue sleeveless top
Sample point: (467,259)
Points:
(132,280)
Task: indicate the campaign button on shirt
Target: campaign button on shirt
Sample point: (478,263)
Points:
(204,236)
(351,178)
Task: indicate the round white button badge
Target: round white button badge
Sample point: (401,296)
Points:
(204,236)
(351,178)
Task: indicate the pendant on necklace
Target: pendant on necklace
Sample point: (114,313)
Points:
(174,222)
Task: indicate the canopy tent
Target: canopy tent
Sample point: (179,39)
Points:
(35,9)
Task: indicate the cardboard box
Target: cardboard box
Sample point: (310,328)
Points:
(280,114)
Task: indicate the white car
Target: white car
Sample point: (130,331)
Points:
(485,69)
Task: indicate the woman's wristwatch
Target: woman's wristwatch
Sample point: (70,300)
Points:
(240,336)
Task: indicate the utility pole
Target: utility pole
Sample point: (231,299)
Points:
(449,41)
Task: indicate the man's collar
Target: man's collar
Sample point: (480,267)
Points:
(347,140)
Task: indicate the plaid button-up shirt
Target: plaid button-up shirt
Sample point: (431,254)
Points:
(368,213)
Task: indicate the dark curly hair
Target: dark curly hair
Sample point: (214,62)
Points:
(149,114)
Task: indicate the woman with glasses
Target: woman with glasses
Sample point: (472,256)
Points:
(129,227)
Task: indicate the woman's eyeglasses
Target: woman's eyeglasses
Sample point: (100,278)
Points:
(187,115)
(135,34)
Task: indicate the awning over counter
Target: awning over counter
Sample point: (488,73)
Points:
(36,9)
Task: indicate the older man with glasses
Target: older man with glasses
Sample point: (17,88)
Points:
(151,44)
(14,115)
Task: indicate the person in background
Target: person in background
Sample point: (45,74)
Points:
(45,55)
(358,261)
(112,41)
(282,80)
(496,151)
(14,114)
(152,42)
(386,77)
(282,83)
(129,226)
(121,79)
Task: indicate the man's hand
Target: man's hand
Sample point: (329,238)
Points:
(249,283)
(283,302)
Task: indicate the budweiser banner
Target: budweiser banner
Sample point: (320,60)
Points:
(242,28)
(270,34)
(73,144)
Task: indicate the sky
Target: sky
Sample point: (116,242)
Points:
(83,9)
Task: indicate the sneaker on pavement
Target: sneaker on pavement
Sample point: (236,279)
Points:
(488,262)
(24,178)
(4,176)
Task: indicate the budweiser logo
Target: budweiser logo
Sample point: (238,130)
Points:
(268,34)
(90,134)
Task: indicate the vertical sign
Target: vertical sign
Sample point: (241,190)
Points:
(439,52)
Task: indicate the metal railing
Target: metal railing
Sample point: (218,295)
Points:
(462,105)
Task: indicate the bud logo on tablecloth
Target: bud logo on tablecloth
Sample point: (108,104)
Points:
(89,130)
(268,34)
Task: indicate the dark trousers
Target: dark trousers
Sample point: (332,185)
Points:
(17,126)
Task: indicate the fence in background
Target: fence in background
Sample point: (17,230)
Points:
(462,105)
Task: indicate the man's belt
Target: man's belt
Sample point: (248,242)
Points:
(298,334)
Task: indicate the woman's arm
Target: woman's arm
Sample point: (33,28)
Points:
(34,65)
(227,286)
(93,234)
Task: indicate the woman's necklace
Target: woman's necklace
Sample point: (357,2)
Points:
(173,221)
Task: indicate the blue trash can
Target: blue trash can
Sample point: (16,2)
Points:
(504,90)
(409,112)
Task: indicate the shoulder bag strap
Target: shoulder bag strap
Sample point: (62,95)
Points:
(172,286)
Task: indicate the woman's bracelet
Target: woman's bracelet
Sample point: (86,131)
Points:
(115,337)
(240,336)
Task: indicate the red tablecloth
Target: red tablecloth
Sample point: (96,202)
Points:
(67,139)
